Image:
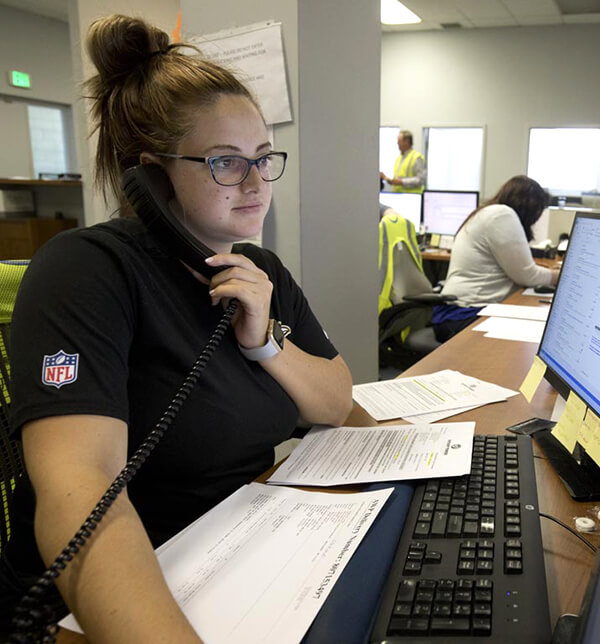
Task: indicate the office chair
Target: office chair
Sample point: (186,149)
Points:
(11,461)
(406,296)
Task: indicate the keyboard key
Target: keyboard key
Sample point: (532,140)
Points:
(450,625)
(442,610)
(402,609)
(421,610)
(412,568)
(482,609)
(424,596)
(406,590)
(513,566)
(438,525)
(408,625)
(433,557)
(422,529)
(454,527)
(482,625)
(470,528)
(465,567)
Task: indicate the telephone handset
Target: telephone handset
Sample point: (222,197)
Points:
(149,191)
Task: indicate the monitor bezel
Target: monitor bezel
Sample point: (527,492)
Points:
(451,192)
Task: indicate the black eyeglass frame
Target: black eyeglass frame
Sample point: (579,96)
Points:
(210,161)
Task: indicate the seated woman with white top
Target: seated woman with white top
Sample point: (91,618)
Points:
(491,257)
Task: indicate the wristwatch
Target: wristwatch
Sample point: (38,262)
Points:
(272,347)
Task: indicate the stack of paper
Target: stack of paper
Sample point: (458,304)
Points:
(259,566)
(346,455)
(514,322)
(429,398)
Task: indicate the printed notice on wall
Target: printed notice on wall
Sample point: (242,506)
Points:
(255,55)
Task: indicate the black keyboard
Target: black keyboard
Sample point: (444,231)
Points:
(469,565)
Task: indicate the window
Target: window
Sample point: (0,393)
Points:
(565,160)
(454,157)
(48,139)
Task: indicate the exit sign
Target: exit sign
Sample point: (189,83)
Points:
(19,79)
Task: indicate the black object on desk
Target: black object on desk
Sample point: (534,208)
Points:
(469,566)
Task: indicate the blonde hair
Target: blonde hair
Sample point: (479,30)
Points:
(145,93)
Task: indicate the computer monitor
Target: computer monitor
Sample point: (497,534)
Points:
(406,204)
(570,348)
(445,210)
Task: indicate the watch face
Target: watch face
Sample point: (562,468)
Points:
(277,333)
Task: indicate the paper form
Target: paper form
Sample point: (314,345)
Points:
(435,239)
(533,378)
(567,428)
(344,455)
(434,417)
(433,392)
(589,435)
(515,311)
(512,329)
(259,566)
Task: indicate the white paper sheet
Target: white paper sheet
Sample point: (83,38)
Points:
(434,392)
(435,416)
(344,455)
(259,566)
(512,329)
(516,311)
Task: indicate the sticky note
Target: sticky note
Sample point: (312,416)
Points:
(533,378)
(567,428)
(589,436)
(435,239)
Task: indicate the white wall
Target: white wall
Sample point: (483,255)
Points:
(507,79)
(40,47)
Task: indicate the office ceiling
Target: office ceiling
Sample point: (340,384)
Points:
(469,14)
(436,14)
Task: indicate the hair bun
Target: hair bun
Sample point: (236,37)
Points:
(117,44)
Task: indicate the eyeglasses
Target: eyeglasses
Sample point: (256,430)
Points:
(231,170)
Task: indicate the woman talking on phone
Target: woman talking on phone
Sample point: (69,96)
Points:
(126,320)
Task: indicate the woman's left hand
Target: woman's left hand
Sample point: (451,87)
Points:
(252,288)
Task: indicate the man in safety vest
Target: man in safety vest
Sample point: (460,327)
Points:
(409,169)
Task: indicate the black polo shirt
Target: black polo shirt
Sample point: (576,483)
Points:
(108,323)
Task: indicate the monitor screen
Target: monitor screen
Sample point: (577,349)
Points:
(406,204)
(445,210)
(570,346)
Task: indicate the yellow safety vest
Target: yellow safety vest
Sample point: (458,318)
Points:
(393,230)
(11,273)
(404,168)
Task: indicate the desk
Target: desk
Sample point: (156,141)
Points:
(568,561)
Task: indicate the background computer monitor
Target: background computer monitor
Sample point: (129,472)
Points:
(445,210)
(406,204)
(570,348)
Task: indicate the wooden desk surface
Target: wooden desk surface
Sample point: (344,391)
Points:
(568,561)
(442,255)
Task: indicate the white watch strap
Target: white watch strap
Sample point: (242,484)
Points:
(265,352)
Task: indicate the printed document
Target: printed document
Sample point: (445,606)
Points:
(343,455)
(434,417)
(516,311)
(259,566)
(434,392)
(512,329)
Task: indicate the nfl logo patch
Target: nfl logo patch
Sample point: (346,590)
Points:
(60,369)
